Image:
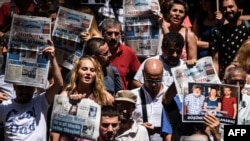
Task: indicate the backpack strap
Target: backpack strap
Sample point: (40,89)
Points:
(143,106)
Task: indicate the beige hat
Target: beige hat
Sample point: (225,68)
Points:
(125,95)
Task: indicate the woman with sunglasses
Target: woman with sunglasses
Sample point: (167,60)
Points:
(86,81)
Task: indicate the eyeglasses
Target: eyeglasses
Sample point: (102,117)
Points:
(111,33)
(235,82)
(106,125)
(153,81)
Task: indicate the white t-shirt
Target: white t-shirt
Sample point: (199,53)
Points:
(25,122)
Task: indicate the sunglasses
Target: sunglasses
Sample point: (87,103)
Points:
(111,33)
(106,125)
(153,81)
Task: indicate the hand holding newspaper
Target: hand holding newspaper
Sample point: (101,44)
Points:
(202,72)
(78,120)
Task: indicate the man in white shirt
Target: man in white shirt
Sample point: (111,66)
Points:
(149,95)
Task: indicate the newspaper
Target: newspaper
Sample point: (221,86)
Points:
(81,120)
(141,29)
(26,64)
(203,71)
(68,26)
(219,106)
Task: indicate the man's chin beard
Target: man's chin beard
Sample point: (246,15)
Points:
(234,18)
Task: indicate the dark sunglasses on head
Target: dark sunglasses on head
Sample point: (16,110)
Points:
(111,33)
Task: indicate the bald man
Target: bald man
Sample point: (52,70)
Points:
(152,74)
(150,93)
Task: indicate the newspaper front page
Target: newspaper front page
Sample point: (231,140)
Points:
(203,71)
(78,120)
(68,26)
(141,29)
(26,63)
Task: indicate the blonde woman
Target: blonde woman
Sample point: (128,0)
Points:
(86,81)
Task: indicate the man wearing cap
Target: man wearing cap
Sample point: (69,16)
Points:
(125,102)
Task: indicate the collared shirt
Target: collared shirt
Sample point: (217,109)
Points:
(154,106)
(154,110)
(135,133)
(194,104)
(127,64)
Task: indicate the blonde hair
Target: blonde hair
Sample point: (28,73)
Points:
(97,87)
(242,57)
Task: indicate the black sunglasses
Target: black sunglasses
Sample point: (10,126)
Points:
(106,125)
(111,33)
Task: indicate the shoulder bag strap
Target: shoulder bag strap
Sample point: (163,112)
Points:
(143,105)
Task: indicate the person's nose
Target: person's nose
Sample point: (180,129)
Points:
(88,71)
(4,49)
(237,83)
(110,128)
(113,35)
(228,9)
(109,54)
(174,54)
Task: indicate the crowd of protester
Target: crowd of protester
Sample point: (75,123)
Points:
(137,94)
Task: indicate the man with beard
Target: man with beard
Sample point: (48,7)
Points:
(99,48)
(227,39)
(172,46)
(129,130)
(109,124)
(122,56)
(148,111)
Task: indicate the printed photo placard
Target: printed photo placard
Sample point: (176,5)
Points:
(209,98)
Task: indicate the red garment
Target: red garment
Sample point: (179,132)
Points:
(5,13)
(227,105)
(127,64)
